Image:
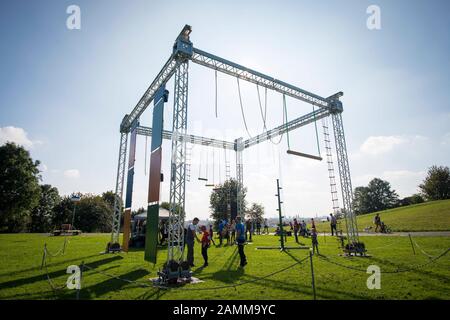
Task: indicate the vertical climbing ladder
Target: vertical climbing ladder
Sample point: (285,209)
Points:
(331,176)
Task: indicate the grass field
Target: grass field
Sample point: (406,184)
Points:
(429,216)
(22,278)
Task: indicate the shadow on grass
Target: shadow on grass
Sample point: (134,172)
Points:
(52,264)
(420,271)
(110,285)
(54,274)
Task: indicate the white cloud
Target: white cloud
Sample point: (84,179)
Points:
(375,145)
(381,144)
(72,174)
(43,167)
(16,135)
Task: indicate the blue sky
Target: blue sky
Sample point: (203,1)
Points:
(64,92)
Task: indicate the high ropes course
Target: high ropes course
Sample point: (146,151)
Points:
(177,66)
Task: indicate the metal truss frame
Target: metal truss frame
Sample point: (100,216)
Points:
(178,64)
(178,165)
(118,204)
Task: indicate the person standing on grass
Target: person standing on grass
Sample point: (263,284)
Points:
(333,224)
(240,239)
(190,236)
(205,245)
(258,227)
(377,221)
(233,231)
(228,232)
(313,224)
(315,243)
(248,228)
(220,232)
(296,229)
(266,226)
(211,234)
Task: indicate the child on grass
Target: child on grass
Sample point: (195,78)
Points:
(205,245)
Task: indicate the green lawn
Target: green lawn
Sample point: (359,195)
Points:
(429,216)
(22,278)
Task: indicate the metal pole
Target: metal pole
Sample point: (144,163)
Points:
(279,215)
(412,245)
(312,274)
(73,216)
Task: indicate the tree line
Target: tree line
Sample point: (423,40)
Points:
(28,206)
(378,194)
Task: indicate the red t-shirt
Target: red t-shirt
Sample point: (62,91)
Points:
(205,238)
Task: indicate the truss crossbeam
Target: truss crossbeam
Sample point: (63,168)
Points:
(214,62)
(289,126)
(163,76)
(193,139)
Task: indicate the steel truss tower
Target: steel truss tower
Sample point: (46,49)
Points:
(178,164)
(178,64)
(345,179)
(117,213)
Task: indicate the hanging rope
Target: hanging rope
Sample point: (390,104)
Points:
(216,91)
(242,109)
(284,116)
(263,116)
(286,121)
(317,135)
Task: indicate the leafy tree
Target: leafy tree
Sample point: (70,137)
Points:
(361,201)
(224,195)
(376,196)
(109,197)
(93,214)
(19,187)
(436,185)
(414,199)
(42,214)
(256,212)
(62,212)
(381,196)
